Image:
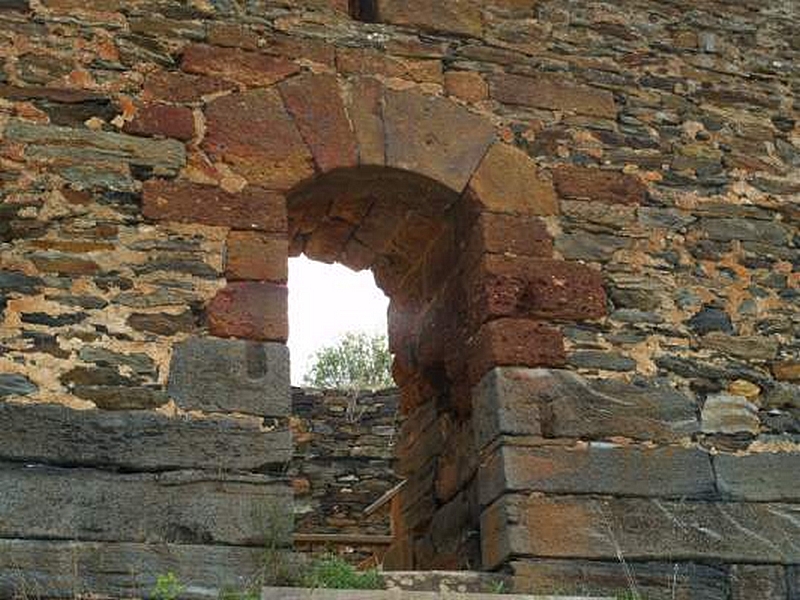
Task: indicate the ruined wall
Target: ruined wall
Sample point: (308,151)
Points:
(601,200)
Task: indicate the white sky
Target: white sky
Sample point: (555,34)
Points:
(325,302)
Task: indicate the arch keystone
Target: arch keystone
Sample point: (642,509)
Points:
(434,137)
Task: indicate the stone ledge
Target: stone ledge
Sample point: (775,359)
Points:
(320,594)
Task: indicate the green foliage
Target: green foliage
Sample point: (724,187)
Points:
(330,571)
(168,587)
(358,362)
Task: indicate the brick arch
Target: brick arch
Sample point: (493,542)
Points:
(451,220)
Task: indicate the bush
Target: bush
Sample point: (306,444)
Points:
(332,572)
(358,362)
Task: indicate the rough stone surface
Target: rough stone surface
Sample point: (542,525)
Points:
(49,433)
(724,413)
(507,180)
(597,469)
(520,526)
(547,91)
(758,581)
(12,384)
(230,376)
(253,132)
(250,310)
(248,68)
(252,208)
(763,477)
(434,137)
(178,507)
(162,120)
(256,256)
(596,184)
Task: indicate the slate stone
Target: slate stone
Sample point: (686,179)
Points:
(87,302)
(173,507)
(598,359)
(760,477)
(589,246)
(558,403)
(710,319)
(123,570)
(654,580)
(40,318)
(752,230)
(231,376)
(605,528)
(138,362)
(725,413)
(747,347)
(12,384)
(196,267)
(765,582)
(82,376)
(596,468)
(16,282)
(137,440)
(122,397)
(163,323)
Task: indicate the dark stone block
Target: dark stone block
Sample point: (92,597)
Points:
(12,384)
(39,318)
(711,319)
(204,371)
(16,282)
(140,440)
(765,582)
(763,477)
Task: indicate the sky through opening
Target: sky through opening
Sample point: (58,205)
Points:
(325,302)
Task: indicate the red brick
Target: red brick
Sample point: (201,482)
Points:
(515,342)
(316,105)
(178,87)
(595,184)
(327,241)
(256,256)
(162,120)
(250,310)
(554,92)
(186,202)
(254,134)
(511,286)
(242,66)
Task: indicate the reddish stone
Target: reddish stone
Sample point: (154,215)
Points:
(328,240)
(515,342)
(162,120)
(186,202)
(178,87)
(250,310)
(788,370)
(554,92)
(367,61)
(316,105)
(254,134)
(453,16)
(365,108)
(508,286)
(595,184)
(242,66)
(497,233)
(467,85)
(508,180)
(256,256)
(65,264)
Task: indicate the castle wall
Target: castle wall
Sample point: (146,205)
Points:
(586,217)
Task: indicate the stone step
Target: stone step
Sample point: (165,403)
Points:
(279,593)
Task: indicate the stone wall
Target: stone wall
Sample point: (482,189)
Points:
(586,217)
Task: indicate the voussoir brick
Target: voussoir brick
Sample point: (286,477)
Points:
(585,183)
(235,64)
(162,120)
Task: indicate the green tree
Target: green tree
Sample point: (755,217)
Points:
(358,361)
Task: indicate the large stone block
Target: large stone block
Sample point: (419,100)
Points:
(665,472)
(174,507)
(507,180)
(553,92)
(186,202)
(765,582)
(316,104)
(137,440)
(639,529)
(253,132)
(653,580)
(251,255)
(434,137)
(162,120)
(365,109)
(576,407)
(218,375)
(250,310)
(66,569)
(763,477)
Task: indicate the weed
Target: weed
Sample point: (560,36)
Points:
(331,571)
(496,587)
(168,587)
(233,594)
